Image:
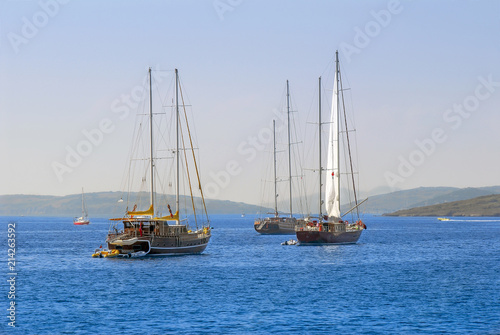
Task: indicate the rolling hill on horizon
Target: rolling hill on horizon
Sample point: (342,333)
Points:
(105,204)
(102,204)
(423,196)
(488,205)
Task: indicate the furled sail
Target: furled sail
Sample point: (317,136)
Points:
(173,217)
(332,198)
(150,211)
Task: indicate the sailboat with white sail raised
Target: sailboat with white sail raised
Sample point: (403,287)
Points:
(84,219)
(147,231)
(331,227)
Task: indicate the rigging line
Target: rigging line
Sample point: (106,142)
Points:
(194,156)
(299,183)
(136,143)
(297,161)
(157,86)
(349,146)
(265,188)
(163,192)
(188,177)
(191,124)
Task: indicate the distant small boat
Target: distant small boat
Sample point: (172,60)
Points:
(84,219)
(289,242)
(443,219)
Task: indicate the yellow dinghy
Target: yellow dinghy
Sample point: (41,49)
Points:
(112,253)
(98,253)
(105,253)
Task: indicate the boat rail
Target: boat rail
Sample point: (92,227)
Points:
(324,227)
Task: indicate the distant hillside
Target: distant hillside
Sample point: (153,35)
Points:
(488,205)
(394,201)
(104,204)
(460,194)
(423,196)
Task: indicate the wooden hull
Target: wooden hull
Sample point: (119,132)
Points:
(276,226)
(182,250)
(163,241)
(306,237)
(163,246)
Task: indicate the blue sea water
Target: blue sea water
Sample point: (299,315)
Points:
(404,276)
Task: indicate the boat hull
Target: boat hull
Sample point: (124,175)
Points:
(306,237)
(81,223)
(185,250)
(154,245)
(276,226)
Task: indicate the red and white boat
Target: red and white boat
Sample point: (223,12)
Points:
(84,219)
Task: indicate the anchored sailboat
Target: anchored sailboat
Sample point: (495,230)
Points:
(331,228)
(277,224)
(84,219)
(147,232)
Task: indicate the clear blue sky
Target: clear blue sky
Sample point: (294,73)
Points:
(63,64)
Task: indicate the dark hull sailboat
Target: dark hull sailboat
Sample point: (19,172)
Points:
(329,234)
(280,225)
(331,228)
(143,233)
(157,238)
(276,226)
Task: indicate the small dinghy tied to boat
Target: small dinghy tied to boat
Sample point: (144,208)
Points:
(289,242)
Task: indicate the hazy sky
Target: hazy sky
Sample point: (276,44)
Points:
(424,79)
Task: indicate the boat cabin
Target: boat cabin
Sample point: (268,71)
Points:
(150,227)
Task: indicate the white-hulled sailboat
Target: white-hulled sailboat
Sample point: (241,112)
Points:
(331,228)
(84,219)
(147,232)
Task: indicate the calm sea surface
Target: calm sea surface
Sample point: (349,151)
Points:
(405,276)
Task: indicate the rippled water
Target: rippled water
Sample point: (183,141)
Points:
(405,276)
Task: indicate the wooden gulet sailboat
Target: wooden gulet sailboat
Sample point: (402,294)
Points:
(280,225)
(84,219)
(331,228)
(143,232)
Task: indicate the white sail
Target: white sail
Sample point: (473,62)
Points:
(332,196)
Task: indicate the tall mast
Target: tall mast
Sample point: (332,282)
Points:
(275,187)
(289,147)
(337,71)
(177,136)
(151,138)
(349,150)
(83,206)
(319,137)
